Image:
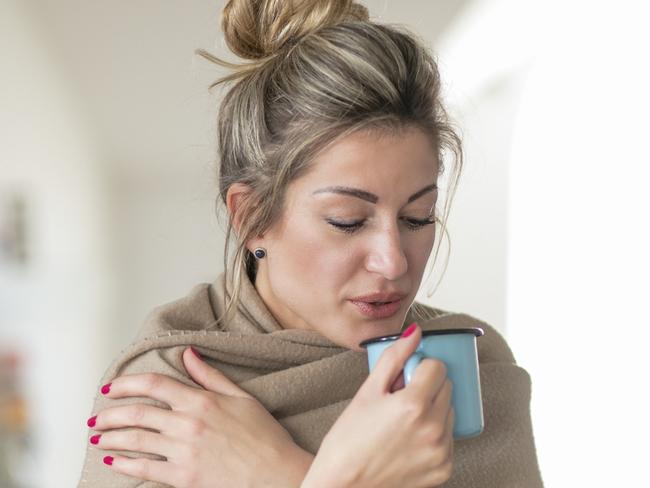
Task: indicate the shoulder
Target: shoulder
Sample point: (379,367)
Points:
(492,346)
(193,311)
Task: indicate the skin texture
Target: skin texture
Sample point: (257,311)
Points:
(385,439)
(311,271)
(312,268)
(210,437)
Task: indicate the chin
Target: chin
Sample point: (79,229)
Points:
(374,330)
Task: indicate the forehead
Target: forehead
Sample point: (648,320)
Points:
(372,160)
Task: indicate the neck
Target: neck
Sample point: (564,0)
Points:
(282,314)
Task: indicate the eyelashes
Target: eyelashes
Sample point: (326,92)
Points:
(352,227)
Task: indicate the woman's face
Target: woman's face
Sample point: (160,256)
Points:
(383,190)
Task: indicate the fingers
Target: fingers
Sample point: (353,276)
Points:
(441,412)
(152,385)
(438,412)
(147,469)
(136,440)
(442,401)
(209,377)
(391,362)
(138,415)
(443,441)
(451,420)
(398,384)
(449,431)
(428,379)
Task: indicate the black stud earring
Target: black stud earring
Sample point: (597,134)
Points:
(260,253)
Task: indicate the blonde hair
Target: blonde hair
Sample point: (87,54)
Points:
(319,70)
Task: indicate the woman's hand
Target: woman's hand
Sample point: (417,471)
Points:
(218,437)
(388,439)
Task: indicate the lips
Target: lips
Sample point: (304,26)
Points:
(379,305)
(378,311)
(380,297)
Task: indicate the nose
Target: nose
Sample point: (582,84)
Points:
(386,255)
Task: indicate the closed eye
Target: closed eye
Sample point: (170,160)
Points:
(351,227)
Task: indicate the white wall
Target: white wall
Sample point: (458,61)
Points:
(576,173)
(55,311)
(525,236)
(475,280)
(483,71)
(579,246)
(167,239)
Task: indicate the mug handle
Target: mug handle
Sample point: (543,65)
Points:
(410,365)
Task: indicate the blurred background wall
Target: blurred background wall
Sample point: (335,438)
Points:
(107,195)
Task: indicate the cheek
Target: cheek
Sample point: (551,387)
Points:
(313,266)
(420,250)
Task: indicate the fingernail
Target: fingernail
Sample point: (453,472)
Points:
(92,421)
(108,460)
(196,353)
(410,330)
(106,388)
(95,439)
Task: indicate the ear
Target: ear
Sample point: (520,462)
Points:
(237,194)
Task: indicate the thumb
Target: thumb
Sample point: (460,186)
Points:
(208,377)
(391,362)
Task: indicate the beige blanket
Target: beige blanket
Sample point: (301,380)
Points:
(306,381)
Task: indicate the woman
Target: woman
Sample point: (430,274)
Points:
(331,143)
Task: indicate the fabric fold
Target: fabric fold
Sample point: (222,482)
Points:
(305,381)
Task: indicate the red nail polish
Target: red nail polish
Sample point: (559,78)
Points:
(410,330)
(92,421)
(108,460)
(196,353)
(106,388)
(95,439)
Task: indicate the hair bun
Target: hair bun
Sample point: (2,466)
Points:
(256,29)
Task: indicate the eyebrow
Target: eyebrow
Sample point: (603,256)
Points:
(371,197)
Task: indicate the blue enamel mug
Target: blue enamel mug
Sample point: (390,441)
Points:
(456,348)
